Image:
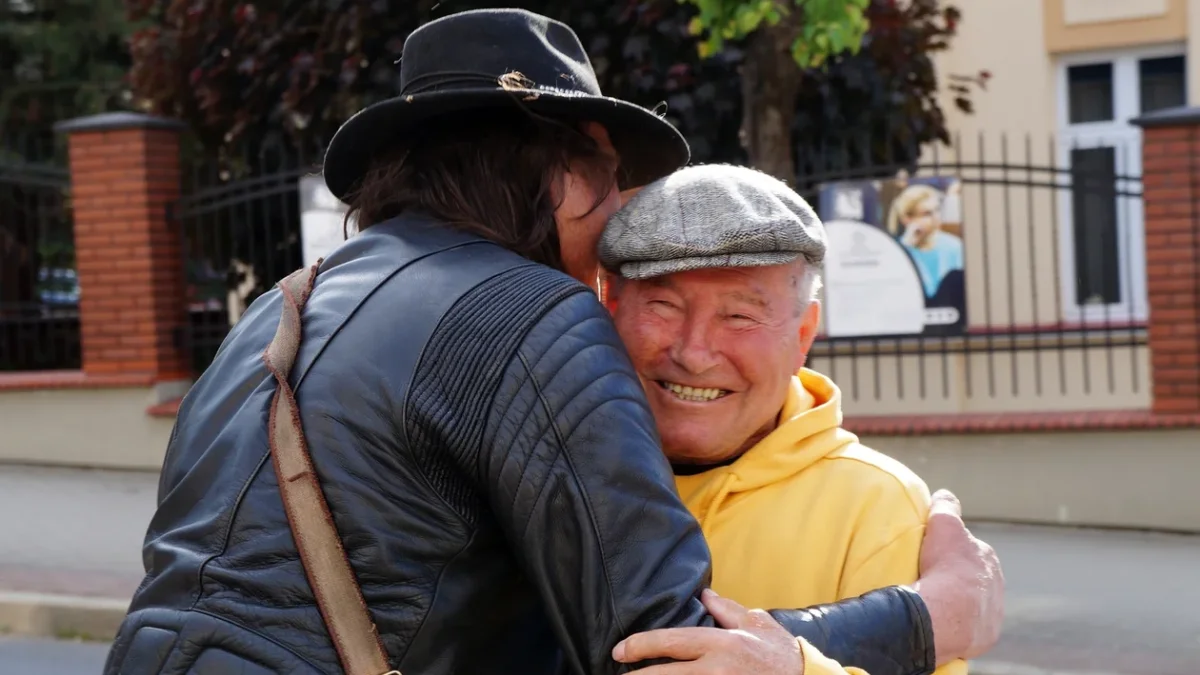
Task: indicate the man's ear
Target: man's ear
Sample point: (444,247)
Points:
(810,322)
(611,286)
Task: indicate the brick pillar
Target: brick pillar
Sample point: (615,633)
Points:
(1171,189)
(124,178)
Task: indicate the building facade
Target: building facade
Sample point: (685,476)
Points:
(1064,387)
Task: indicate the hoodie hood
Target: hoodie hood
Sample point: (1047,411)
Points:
(809,430)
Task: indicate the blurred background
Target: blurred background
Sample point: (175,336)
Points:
(1012,291)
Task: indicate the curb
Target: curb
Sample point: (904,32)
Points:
(60,616)
(1007,668)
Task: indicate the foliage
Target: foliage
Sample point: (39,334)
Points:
(829,27)
(240,72)
(239,68)
(59,59)
(881,105)
(643,51)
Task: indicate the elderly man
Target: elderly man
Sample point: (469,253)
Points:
(717,270)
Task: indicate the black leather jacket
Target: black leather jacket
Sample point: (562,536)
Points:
(491,465)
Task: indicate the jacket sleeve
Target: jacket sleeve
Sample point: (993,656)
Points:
(886,631)
(894,562)
(574,473)
(889,526)
(816,663)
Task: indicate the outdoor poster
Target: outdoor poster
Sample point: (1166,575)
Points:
(322,219)
(895,260)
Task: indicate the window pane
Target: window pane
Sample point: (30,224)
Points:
(1090,93)
(1163,83)
(1094,216)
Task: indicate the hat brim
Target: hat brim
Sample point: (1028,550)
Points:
(649,146)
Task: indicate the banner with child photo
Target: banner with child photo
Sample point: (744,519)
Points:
(894,265)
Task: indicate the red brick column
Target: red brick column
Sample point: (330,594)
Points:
(124,179)
(1171,189)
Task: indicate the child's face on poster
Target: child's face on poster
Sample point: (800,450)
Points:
(921,222)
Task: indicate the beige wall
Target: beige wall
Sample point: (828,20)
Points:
(1004,37)
(1018,41)
(86,427)
(1108,478)
(1139,479)
(1014,122)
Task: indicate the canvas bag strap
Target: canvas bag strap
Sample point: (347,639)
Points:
(329,574)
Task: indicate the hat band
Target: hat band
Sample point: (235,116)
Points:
(460,78)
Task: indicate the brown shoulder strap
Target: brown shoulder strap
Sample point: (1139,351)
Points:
(338,595)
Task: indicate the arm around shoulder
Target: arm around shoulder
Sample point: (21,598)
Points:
(886,549)
(573,470)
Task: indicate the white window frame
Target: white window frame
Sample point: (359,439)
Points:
(1126,139)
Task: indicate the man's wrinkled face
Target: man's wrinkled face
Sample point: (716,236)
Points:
(716,350)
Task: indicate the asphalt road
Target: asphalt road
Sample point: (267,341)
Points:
(49,657)
(1088,602)
(1080,602)
(83,518)
(73,531)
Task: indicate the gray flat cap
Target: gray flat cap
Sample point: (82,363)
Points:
(713,215)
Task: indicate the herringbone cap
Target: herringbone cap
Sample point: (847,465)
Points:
(713,215)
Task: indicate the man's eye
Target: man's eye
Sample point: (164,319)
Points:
(741,317)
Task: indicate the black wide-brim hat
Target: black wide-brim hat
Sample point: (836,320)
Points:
(492,58)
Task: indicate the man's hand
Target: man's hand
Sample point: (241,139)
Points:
(961,584)
(754,643)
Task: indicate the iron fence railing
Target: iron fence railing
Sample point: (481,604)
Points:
(240,222)
(39,292)
(1027,257)
(1045,244)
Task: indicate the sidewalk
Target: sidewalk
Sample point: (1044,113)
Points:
(70,548)
(1079,602)
(1090,602)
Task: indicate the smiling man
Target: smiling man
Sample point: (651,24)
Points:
(716,270)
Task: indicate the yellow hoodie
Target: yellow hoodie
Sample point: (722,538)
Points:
(809,516)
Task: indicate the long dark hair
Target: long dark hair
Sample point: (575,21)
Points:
(487,172)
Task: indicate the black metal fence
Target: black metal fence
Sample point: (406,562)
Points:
(240,222)
(1048,284)
(39,294)
(1046,278)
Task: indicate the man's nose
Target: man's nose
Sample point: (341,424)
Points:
(693,351)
